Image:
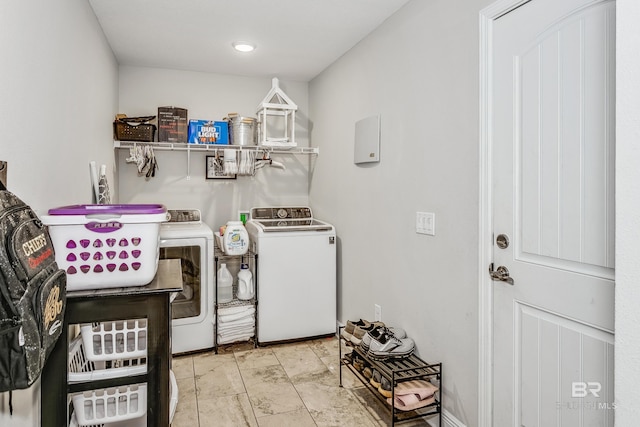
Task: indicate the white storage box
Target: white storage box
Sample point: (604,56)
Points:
(81,369)
(106,246)
(107,341)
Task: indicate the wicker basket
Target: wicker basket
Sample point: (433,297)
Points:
(134,129)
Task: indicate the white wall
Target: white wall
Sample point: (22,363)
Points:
(627,369)
(419,71)
(212,97)
(57,99)
(58,89)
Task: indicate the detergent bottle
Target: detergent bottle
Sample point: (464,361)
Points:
(225,284)
(236,238)
(246,290)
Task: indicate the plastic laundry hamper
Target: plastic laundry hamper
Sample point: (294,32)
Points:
(116,340)
(81,369)
(139,421)
(116,406)
(106,246)
(110,405)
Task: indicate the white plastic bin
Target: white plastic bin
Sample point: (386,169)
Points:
(139,421)
(111,404)
(81,369)
(122,339)
(106,246)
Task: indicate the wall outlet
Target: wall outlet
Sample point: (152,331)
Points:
(377,313)
(244,216)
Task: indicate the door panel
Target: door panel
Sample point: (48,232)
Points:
(547,353)
(553,195)
(564,114)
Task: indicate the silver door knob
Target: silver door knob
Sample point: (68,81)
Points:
(501,274)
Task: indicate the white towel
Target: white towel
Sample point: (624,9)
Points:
(234,338)
(240,322)
(237,316)
(233,310)
(235,329)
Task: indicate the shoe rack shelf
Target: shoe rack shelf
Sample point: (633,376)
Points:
(396,371)
(235,261)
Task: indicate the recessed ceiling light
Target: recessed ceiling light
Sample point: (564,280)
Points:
(243,46)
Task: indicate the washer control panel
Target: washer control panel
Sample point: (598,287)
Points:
(189,215)
(281,213)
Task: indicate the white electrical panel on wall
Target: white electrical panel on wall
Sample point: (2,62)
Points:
(367,140)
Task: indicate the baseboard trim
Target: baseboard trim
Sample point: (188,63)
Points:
(448,420)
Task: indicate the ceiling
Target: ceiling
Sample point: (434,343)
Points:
(296,39)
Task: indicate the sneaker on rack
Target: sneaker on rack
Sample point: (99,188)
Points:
(385,387)
(358,363)
(360,331)
(377,332)
(350,327)
(375,378)
(385,342)
(367,372)
(398,349)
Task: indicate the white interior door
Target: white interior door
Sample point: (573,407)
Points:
(553,146)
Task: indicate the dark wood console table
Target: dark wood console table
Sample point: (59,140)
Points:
(151,302)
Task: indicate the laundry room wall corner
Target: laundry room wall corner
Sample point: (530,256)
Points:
(419,71)
(59,94)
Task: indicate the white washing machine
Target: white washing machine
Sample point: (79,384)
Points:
(296,273)
(187,238)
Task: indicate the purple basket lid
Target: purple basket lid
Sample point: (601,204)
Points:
(108,209)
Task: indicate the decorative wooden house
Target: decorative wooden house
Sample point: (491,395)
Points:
(277,118)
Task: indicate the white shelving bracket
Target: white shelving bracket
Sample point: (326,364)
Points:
(263,150)
(178,146)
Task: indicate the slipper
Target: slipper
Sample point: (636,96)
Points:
(414,394)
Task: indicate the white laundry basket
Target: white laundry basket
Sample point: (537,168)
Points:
(116,340)
(106,246)
(81,369)
(133,422)
(110,405)
(109,350)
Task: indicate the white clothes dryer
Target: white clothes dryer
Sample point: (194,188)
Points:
(187,238)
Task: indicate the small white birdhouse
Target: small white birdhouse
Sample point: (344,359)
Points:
(277,117)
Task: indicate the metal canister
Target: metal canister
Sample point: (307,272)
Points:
(242,130)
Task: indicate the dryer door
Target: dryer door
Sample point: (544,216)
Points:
(189,306)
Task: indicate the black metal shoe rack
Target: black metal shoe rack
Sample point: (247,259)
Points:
(396,371)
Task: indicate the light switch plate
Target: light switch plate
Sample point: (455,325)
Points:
(426,223)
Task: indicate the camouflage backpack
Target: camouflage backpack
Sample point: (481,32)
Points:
(32,294)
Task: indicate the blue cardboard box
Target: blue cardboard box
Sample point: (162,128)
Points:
(208,132)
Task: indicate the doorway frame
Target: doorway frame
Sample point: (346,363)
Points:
(487,17)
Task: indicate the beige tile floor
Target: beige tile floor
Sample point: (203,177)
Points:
(284,385)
